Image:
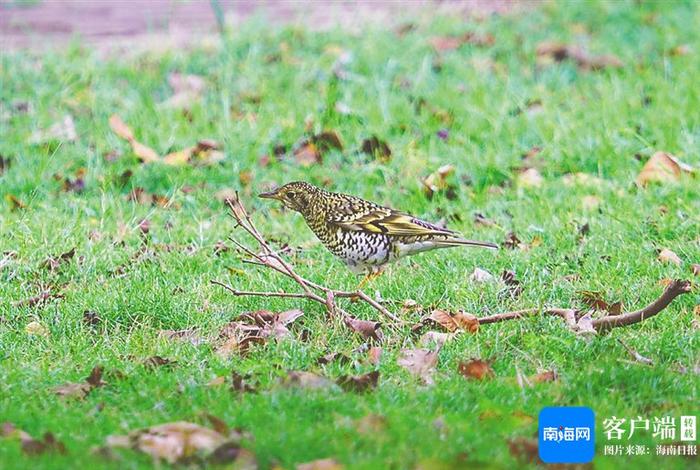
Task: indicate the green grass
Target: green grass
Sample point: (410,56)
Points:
(590,122)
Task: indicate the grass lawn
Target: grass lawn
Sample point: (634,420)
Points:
(478,107)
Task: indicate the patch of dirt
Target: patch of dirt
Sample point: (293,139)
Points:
(171,23)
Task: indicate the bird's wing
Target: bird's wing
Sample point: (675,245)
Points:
(363,216)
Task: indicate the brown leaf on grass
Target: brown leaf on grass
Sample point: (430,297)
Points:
(81,389)
(172,442)
(237,337)
(590,203)
(546,376)
(374,147)
(481,275)
(371,424)
(272,324)
(524,449)
(63,130)
(48,443)
(680,50)
(449,43)
(668,256)
(38,300)
(35,328)
(239,383)
(595,301)
(55,262)
(368,329)
(303,379)
(662,167)
(143,152)
(15,202)
(307,154)
(327,140)
(4,164)
(695,268)
(334,357)
(206,152)
(457,321)
(550,51)
(477,369)
(310,151)
(31,446)
(359,383)
(374,355)
(321,464)
(437,182)
(158,361)
(419,362)
(480,220)
(188,335)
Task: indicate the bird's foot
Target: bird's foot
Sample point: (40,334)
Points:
(369,277)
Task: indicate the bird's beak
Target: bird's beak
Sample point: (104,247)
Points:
(269,195)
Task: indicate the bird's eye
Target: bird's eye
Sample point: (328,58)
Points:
(291,194)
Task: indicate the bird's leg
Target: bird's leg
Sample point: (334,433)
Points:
(369,277)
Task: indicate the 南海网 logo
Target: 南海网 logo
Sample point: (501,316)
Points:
(566,434)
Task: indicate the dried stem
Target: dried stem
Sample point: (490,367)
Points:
(269,258)
(673,290)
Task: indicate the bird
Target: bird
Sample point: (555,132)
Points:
(365,235)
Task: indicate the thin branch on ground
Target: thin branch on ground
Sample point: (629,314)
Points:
(269,258)
(673,289)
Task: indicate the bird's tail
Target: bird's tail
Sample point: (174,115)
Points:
(457,241)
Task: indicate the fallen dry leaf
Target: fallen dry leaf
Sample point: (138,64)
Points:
(359,383)
(449,43)
(524,449)
(15,202)
(63,130)
(303,379)
(668,256)
(662,167)
(143,152)
(172,442)
(546,376)
(419,362)
(374,355)
(368,329)
(595,301)
(695,268)
(550,51)
(158,361)
(475,369)
(307,154)
(321,464)
(481,275)
(453,322)
(81,389)
(34,328)
(54,262)
(334,357)
(376,148)
(437,182)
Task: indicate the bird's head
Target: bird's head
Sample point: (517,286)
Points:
(296,195)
